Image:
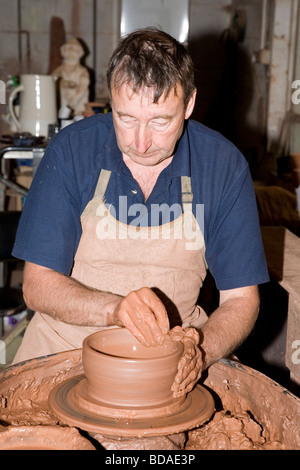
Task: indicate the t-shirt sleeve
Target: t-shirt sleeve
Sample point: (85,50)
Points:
(235,254)
(49,228)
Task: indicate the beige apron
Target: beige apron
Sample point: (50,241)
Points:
(119,258)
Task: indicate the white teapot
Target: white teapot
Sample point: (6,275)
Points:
(38,106)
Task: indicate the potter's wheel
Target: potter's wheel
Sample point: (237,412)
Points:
(72,406)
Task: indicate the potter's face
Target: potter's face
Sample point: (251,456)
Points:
(147,132)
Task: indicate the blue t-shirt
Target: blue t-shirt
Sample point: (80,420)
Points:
(65,181)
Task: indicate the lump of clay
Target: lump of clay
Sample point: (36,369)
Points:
(172,442)
(230,432)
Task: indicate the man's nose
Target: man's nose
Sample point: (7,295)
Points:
(143,139)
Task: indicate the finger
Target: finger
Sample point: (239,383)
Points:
(183,374)
(147,329)
(145,316)
(158,309)
(187,376)
(134,329)
(145,321)
(140,321)
(153,314)
(180,389)
(189,380)
(188,355)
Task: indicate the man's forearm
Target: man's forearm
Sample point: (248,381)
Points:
(229,325)
(66,299)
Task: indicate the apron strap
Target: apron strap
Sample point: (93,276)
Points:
(186,188)
(102,184)
(186,193)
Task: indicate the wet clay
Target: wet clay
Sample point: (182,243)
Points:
(25,387)
(42,438)
(127,389)
(253,412)
(122,373)
(247,405)
(228,432)
(196,409)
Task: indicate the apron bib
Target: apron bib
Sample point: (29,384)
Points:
(118,258)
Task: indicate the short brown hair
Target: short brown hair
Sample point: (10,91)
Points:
(152,58)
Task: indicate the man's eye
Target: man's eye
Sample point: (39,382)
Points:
(128,121)
(159,124)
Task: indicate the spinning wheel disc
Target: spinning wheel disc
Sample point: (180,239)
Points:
(192,412)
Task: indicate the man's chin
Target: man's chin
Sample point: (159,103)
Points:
(147,160)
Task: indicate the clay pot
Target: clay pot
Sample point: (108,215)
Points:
(121,372)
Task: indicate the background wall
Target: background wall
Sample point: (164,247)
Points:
(232,85)
(96,23)
(231,42)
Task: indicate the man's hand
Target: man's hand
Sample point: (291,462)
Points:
(190,366)
(144,315)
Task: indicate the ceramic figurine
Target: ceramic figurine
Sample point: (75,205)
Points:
(74,78)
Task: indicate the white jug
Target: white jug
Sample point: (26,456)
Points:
(38,106)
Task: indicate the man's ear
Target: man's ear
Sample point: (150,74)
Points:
(190,105)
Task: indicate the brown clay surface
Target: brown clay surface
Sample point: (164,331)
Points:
(248,404)
(195,410)
(126,390)
(121,372)
(253,412)
(43,438)
(25,387)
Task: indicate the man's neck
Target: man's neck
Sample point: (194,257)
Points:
(146,176)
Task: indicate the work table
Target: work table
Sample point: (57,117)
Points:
(282,250)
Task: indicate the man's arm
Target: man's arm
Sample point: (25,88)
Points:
(67,300)
(224,331)
(230,324)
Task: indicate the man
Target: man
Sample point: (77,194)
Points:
(128,210)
